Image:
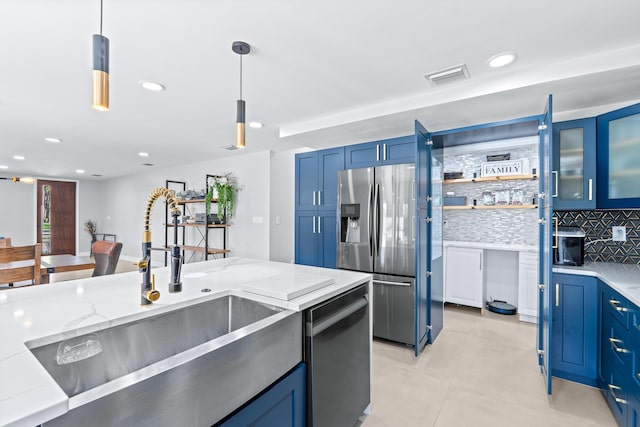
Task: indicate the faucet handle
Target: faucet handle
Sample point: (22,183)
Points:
(142,264)
(152,294)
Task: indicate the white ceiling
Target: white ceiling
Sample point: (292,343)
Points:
(320,74)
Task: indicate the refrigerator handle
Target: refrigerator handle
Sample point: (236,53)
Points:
(371,220)
(377,215)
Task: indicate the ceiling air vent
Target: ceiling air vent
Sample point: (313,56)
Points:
(448,75)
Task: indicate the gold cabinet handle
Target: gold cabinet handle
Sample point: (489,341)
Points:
(612,389)
(590,189)
(616,305)
(555,224)
(614,343)
(557,294)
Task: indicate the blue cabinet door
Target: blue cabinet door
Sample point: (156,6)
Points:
(377,153)
(363,155)
(329,163)
(328,239)
(306,180)
(545,214)
(399,150)
(282,405)
(575,328)
(618,141)
(574,165)
(306,250)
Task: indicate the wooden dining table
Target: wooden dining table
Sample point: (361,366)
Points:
(62,263)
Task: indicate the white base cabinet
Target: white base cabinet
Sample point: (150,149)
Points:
(528,287)
(478,272)
(463,276)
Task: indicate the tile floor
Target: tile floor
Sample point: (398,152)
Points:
(481,371)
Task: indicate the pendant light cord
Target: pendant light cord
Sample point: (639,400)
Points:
(100,17)
(240,75)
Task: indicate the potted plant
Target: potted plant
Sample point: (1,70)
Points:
(222,190)
(91,227)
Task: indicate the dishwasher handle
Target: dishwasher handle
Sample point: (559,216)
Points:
(314,329)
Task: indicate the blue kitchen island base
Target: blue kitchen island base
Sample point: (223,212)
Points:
(282,404)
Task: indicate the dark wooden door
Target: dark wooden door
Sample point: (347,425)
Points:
(56,217)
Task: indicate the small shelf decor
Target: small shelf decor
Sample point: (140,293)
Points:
(222,190)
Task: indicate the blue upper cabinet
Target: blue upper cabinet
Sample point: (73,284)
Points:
(574,165)
(618,134)
(317,179)
(306,180)
(386,152)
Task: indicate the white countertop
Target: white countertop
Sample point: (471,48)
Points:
(42,314)
(624,278)
(492,246)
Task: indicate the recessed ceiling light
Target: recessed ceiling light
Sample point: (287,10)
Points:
(18,157)
(256,125)
(53,140)
(502,59)
(153,86)
(79,170)
(143,154)
(4,167)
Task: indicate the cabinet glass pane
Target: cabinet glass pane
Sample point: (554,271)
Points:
(571,174)
(624,157)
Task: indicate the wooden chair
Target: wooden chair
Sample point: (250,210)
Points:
(5,242)
(106,255)
(20,263)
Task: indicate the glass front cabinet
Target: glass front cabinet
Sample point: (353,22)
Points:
(619,158)
(574,165)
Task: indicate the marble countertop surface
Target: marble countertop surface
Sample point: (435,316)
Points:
(42,314)
(624,278)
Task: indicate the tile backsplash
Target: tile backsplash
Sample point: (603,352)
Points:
(597,225)
(507,226)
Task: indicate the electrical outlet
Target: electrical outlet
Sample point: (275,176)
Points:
(619,233)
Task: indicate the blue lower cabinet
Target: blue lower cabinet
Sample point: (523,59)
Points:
(575,328)
(282,404)
(316,238)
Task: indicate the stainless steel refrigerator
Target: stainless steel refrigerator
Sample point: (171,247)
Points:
(376,235)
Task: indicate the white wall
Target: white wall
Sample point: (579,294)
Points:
(90,205)
(282,201)
(17,212)
(125,201)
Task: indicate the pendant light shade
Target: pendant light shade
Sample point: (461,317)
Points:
(240,121)
(241,48)
(100,70)
(100,73)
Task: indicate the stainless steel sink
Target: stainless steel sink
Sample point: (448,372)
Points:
(190,366)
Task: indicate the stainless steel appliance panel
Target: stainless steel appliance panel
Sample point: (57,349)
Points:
(337,346)
(355,245)
(394,234)
(393,308)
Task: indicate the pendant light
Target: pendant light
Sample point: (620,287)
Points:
(100,70)
(24,179)
(241,48)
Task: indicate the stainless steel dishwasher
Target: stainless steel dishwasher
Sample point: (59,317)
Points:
(337,347)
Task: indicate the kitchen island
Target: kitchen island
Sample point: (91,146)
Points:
(41,315)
